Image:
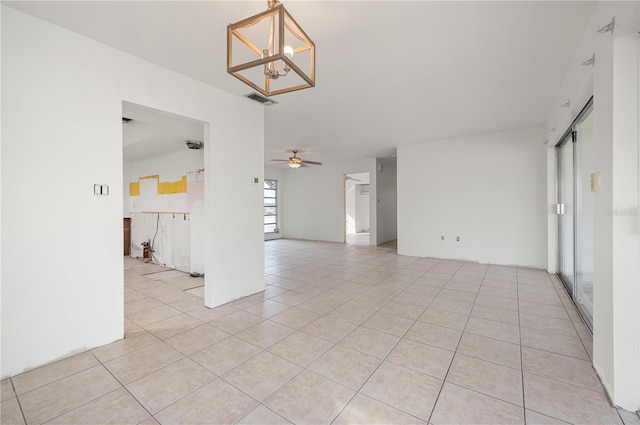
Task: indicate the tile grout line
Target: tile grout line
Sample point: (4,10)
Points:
(24,418)
(524,401)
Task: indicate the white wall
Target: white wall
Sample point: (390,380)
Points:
(613,82)
(169,167)
(387,200)
(488,189)
(314,206)
(62,104)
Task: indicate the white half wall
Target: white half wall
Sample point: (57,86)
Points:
(488,189)
(62,132)
(314,206)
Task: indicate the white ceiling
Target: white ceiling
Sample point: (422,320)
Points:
(152,132)
(388,72)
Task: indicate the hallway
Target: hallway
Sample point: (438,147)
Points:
(342,334)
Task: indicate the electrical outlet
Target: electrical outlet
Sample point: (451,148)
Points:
(457,238)
(441,238)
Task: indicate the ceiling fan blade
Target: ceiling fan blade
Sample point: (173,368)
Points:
(280,160)
(311,162)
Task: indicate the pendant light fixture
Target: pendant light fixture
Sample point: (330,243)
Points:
(270,52)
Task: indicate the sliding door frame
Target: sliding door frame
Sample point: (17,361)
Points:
(569,136)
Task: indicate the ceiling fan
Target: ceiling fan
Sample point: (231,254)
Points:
(297,162)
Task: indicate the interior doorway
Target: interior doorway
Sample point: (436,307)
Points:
(163,156)
(357,202)
(163,175)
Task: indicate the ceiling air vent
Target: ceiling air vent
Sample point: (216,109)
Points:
(260,99)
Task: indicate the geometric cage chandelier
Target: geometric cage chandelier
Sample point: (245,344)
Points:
(270,52)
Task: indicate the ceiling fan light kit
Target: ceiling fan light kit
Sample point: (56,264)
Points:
(270,52)
(296,162)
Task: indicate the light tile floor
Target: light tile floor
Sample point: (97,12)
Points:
(342,334)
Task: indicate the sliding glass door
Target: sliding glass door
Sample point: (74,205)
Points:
(584,215)
(566,225)
(575,212)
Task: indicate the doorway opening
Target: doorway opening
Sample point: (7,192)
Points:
(357,204)
(163,175)
(163,207)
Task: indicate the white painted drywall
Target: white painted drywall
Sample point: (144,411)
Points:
(387,202)
(62,274)
(314,206)
(169,167)
(488,189)
(169,235)
(613,82)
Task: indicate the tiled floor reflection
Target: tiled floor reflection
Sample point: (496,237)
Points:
(344,334)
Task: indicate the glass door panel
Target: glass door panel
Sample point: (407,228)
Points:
(583,295)
(566,213)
